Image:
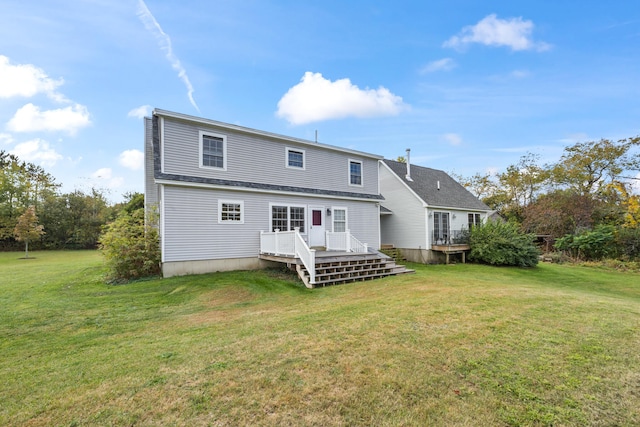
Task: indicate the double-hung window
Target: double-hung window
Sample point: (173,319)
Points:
(355,172)
(213,151)
(295,158)
(285,218)
(231,211)
(339,220)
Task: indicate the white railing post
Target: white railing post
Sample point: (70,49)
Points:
(276,239)
(366,247)
(312,270)
(348,240)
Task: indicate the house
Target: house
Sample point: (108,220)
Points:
(230,197)
(426,213)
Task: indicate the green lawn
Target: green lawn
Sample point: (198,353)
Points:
(449,345)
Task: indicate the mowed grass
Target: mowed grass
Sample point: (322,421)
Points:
(449,345)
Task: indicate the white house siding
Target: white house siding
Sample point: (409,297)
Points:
(405,227)
(150,187)
(192,232)
(259,159)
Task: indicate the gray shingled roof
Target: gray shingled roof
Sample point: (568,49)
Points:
(425,185)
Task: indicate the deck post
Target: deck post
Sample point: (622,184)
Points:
(348,240)
(276,240)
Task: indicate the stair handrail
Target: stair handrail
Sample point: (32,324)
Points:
(344,241)
(306,255)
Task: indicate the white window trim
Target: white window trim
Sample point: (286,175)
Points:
(361,172)
(289,205)
(234,202)
(297,150)
(346,217)
(224,149)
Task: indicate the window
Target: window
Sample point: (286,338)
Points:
(474,219)
(295,158)
(355,172)
(213,151)
(339,220)
(286,218)
(441,228)
(230,211)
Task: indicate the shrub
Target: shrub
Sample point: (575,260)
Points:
(628,242)
(502,243)
(593,244)
(131,247)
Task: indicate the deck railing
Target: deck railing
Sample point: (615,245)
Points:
(454,237)
(344,241)
(289,243)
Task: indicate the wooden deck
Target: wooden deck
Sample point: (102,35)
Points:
(452,249)
(333,267)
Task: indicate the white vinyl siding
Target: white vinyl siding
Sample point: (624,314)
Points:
(191,230)
(251,158)
(407,226)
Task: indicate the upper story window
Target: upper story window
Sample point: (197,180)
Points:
(231,211)
(355,172)
(295,158)
(213,151)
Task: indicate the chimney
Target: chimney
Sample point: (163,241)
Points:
(408,176)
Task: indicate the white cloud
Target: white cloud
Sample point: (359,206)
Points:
(452,138)
(132,159)
(26,80)
(444,64)
(141,112)
(106,178)
(164,40)
(37,151)
(493,31)
(316,98)
(6,138)
(29,118)
(102,173)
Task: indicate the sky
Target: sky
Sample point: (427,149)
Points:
(468,86)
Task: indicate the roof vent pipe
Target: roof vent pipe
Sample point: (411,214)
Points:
(408,176)
(438,185)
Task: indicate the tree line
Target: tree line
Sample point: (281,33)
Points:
(586,203)
(72,220)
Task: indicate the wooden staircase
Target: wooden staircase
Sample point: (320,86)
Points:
(338,269)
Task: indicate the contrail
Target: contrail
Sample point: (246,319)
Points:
(165,44)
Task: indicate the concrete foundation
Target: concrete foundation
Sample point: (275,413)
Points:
(427,256)
(182,268)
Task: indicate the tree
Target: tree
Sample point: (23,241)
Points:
(27,228)
(587,167)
